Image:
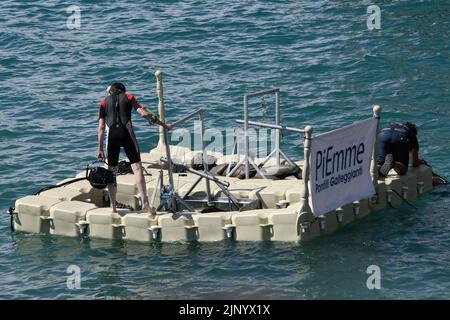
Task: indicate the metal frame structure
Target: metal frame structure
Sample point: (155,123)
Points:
(247,160)
(173,198)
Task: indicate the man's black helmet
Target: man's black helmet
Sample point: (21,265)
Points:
(99,175)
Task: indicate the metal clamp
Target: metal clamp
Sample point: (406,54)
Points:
(155,231)
(389,195)
(420,185)
(340,214)
(404,192)
(356,207)
(322,222)
(282,204)
(228,228)
(82,227)
(305,226)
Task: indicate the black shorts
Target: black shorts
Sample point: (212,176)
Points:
(392,143)
(122,137)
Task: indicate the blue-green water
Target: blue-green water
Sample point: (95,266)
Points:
(331,70)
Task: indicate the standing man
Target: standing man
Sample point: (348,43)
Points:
(115,116)
(394,146)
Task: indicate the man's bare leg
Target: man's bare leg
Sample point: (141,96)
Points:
(140,183)
(112,191)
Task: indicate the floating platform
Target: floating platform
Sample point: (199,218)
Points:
(220,208)
(77,209)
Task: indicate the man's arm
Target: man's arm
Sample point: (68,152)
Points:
(153,118)
(101,134)
(415,158)
(145,114)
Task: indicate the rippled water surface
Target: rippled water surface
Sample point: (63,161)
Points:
(331,70)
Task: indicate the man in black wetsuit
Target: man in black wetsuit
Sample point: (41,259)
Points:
(115,116)
(394,145)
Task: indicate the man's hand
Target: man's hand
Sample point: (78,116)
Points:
(168,126)
(100,155)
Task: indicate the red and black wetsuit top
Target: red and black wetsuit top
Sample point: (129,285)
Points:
(116,110)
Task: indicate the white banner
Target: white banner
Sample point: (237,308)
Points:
(340,166)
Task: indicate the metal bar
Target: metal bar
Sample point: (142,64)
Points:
(277,131)
(257,169)
(262,93)
(204,156)
(188,117)
(234,148)
(153,196)
(287,158)
(192,187)
(183,202)
(173,203)
(230,196)
(169,159)
(273,126)
(198,173)
(236,167)
(267,158)
(247,142)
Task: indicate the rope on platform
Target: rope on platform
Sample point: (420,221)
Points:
(59,185)
(401,197)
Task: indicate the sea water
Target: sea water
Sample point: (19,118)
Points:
(332,67)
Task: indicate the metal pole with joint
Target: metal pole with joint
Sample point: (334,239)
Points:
(247,142)
(373,165)
(160,92)
(277,131)
(305,210)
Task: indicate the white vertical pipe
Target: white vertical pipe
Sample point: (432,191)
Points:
(160,92)
(305,209)
(373,164)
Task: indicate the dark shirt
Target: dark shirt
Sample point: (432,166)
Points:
(407,133)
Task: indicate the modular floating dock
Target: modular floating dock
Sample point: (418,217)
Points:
(198,205)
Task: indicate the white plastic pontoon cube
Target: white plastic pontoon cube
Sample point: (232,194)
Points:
(65,194)
(94,195)
(409,185)
(138,226)
(176,228)
(212,226)
(106,224)
(33,213)
(65,216)
(424,178)
(252,225)
(285,223)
